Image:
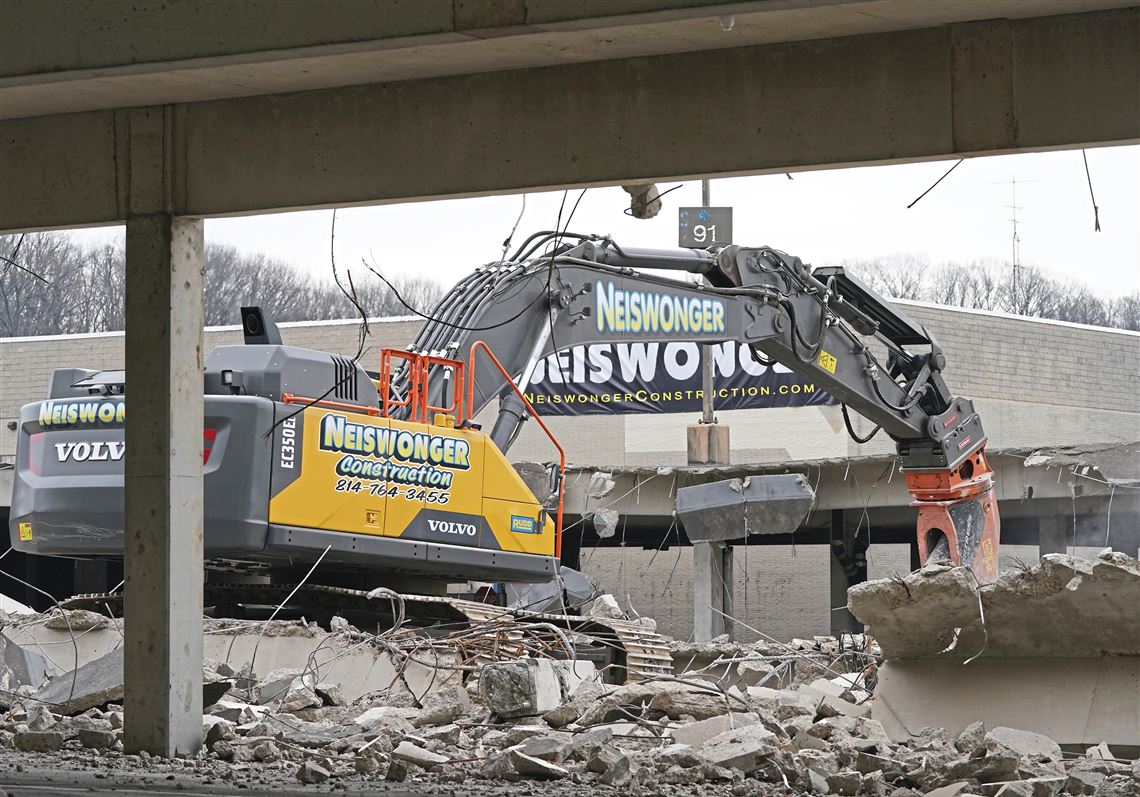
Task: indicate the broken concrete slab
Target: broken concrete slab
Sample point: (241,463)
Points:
(1093,601)
(100,682)
(1058,652)
(329,657)
(94,684)
(1073,701)
(21,666)
(326,658)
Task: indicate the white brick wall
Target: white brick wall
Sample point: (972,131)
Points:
(1036,382)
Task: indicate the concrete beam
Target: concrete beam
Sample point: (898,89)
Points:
(163,485)
(1051,82)
(69,56)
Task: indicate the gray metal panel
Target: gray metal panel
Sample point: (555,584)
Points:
(396,555)
(273,370)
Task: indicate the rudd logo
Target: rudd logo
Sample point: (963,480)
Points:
(447,527)
(90,452)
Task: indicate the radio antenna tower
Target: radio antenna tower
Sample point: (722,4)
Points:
(1015,242)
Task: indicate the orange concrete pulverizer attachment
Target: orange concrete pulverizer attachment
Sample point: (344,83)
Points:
(958,505)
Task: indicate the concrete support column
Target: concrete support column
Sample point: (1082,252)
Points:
(712,572)
(848,567)
(163,485)
(1050,534)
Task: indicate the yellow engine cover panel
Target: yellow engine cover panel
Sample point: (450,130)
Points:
(362,474)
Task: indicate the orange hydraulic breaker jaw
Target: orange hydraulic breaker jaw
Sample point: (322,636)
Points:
(958,514)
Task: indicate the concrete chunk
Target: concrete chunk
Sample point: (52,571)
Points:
(1026,743)
(39,741)
(741,748)
(520,688)
(1058,653)
(97,739)
(443,706)
(531,767)
(1062,607)
(697,733)
(311,773)
(414,754)
(97,682)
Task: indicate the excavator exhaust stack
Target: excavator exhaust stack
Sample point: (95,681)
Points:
(735,508)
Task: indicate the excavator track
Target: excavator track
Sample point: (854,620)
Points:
(636,652)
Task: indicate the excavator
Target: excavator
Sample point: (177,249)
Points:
(387,477)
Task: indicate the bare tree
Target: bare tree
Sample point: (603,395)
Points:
(991,285)
(1080,306)
(900,276)
(43,294)
(1125,312)
(62,288)
(1030,292)
(985,284)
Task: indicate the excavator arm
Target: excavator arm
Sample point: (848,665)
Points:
(823,324)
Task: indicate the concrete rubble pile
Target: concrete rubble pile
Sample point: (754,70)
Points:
(737,720)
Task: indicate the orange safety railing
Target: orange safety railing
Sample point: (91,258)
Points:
(290,398)
(418,370)
(481,346)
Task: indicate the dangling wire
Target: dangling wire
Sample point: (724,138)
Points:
(510,237)
(1092,196)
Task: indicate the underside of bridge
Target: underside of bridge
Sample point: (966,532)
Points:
(156,115)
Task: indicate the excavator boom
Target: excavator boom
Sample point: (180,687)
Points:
(821,323)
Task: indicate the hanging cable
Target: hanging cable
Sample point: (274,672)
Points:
(851,429)
(936,182)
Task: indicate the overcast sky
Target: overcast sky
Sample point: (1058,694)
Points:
(822,216)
